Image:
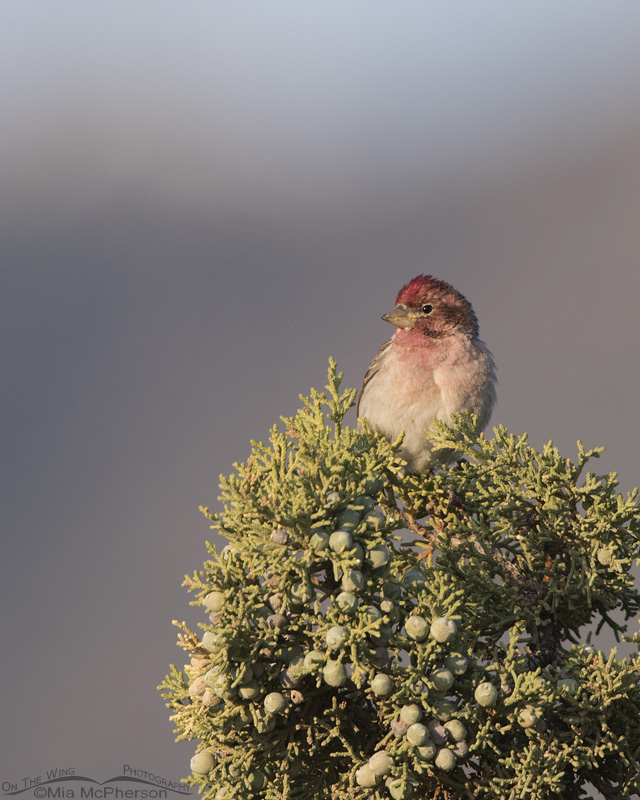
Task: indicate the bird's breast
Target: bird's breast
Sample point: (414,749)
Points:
(415,385)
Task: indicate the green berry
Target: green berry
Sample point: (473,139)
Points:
(340,541)
(334,673)
(366,778)
(235,770)
(381,763)
(605,556)
(442,679)
(569,685)
(374,484)
(314,658)
(249,691)
(418,734)
(221,682)
(378,556)
(333,499)
(417,628)
(391,590)
(419,688)
(223,689)
(211,676)
(414,579)
(443,629)
(346,602)
(374,520)
(211,641)
(352,580)
(456,729)
(243,674)
(445,760)
(382,685)
(319,540)
(371,614)
(261,612)
(300,593)
(275,703)
(256,780)
(348,519)
(336,637)
(486,694)
(457,664)
(400,789)
(202,762)
(214,601)
(444,709)
(411,713)
(364,503)
(427,751)
(527,718)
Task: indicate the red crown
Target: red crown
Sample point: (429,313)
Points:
(413,292)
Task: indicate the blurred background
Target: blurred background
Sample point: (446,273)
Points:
(200,203)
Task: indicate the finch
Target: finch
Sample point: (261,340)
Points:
(434,365)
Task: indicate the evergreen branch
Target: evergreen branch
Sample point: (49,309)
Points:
(354,602)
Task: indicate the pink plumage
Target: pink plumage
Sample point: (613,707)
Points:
(434,365)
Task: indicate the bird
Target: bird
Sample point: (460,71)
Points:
(433,366)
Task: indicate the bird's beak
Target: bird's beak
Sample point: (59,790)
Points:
(399,316)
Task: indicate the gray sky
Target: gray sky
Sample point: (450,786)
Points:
(200,203)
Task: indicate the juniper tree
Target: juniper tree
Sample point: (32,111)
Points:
(376,634)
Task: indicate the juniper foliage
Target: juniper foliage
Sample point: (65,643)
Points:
(373,634)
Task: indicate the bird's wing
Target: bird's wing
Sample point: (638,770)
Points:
(373,368)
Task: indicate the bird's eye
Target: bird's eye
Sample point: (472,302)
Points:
(427,309)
